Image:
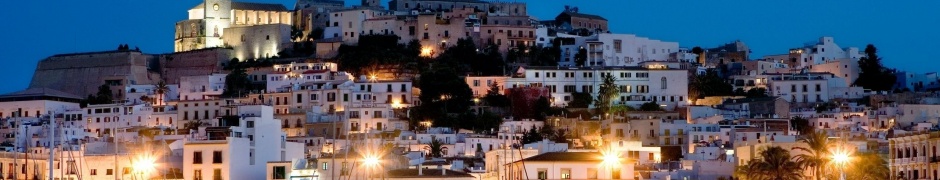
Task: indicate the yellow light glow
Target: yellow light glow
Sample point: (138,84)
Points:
(396,103)
(841,157)
(610,158)
(427,52)
(370,161)
(144,164)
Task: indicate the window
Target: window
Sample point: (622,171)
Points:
(804,88)
(565,173)
(279,172)
(109,172)
(197,174)
(325,165)
(216,157)
(793,88)
(217,174)
(617,46)
(197,157)
(94,172)
(126,170)
(663,82)
(542,173)
(476,83)
(818,88)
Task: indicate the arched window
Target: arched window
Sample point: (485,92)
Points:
(663,82)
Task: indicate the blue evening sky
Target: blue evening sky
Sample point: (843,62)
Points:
(905,33)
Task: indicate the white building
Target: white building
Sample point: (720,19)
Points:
(37,101)
(572,165)
(202,87)
(239,147)
(638,85)
(627,50)
(290,76)
(823,51)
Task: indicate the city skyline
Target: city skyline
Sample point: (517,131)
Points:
(902,32)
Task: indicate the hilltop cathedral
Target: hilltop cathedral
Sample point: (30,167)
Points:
(253,30)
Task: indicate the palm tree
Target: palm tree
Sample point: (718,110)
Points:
(161,89)
(436,148)
(817,152)
(774,164)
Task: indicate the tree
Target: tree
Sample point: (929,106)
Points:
(872,74)
(296,34)
(494,98)
(531,136)
(701,54)
(866,166)
(104,95)
(580,100)
(581,57)
(193,125)
(237,83)
(542,108)
(442,88)
(315,34)
(801,125)
(560,136)
(650,106)
(436,148)
(161,88)
(817,152)
(606,94)
(774,164)
(756,93)
(708,84)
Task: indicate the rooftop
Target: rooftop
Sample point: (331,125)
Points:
(582,15)
(39,94)
(567,156)
(252,6)
(592,68)
(426,173)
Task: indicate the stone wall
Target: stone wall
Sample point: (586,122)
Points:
(81,74)
(193,63)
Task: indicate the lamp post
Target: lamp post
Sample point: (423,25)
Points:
(840,159)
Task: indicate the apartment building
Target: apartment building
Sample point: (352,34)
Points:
(822,51)
(638,85)
(626,50)
(913,154)
(230,149)
(572,165)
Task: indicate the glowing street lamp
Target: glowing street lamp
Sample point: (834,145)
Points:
(840,159)
(144,165)
(611,159)
(370,162)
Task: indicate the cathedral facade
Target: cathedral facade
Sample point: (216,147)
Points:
(207,22)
